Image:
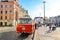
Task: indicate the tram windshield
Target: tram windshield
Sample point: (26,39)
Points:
(25,21)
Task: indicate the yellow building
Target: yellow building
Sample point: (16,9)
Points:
(23,13)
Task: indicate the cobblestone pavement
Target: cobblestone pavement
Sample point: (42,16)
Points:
(7,29)
(41,34)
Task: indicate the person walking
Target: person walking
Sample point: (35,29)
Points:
(50,27)
(53,27)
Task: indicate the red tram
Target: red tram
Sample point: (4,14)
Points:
(25,25)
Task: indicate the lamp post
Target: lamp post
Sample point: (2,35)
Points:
(40,14)
(44,11)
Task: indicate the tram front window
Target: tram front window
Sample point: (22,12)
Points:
(25,21)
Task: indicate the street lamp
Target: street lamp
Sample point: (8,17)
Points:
(40,14)
(44,10)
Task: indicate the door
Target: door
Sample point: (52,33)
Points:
(5,23)
(1,23)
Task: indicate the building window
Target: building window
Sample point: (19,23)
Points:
(1,6)
(15,0)
(1,12)
(10,11)
(4,0)
(0,17)
(6,6)
(10,6)
(5,17)
(5,11)
(16,15)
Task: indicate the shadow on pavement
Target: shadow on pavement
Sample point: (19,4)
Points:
(23,36)
(12,35)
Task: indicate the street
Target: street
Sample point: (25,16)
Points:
(40,34)
(12,35)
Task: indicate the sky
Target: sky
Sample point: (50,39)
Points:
(35,7)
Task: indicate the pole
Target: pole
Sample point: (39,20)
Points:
(40,14)
(33,35)
(44,11)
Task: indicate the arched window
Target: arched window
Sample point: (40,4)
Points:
(1,23)
(5,23)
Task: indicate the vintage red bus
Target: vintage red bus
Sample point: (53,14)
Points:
(25,25)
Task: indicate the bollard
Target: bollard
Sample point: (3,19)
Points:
(33,35)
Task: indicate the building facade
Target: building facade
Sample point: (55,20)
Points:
(9,10)
(39,20)
(58,20)
(23,13)
(52,20)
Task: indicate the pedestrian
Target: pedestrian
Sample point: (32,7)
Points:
(50,27)
(53,27)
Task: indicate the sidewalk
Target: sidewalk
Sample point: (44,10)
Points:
(41,34)
(6,29)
